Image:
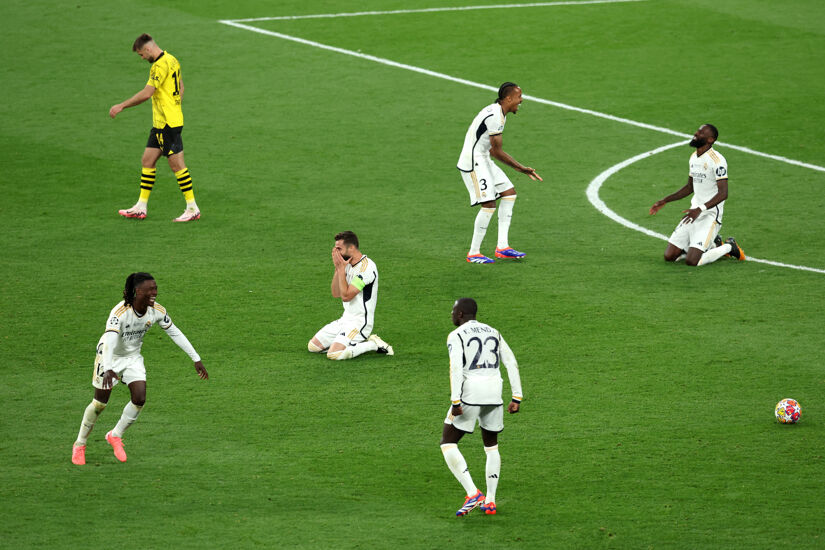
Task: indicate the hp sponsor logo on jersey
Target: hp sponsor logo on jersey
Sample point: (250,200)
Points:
(721,171)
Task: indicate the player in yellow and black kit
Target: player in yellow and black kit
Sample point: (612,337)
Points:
(165,87)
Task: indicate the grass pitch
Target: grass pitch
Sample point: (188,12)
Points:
(649,387)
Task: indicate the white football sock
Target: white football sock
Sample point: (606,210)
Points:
(130,414)
(458,466)
(681,257)
(493,470)
(714,254)
(480,229)
(90,415)
(363,347)
(505,215)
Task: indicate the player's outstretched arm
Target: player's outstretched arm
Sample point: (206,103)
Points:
(136,99)
(498,153)
(680,194)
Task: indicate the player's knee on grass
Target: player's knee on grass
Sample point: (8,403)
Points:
(339,354)
(312,347)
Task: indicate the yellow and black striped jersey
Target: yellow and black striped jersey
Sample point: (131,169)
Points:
(164,75)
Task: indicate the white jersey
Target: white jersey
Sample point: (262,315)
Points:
(130,328)
(706,170)
(363,276)
(476,353)
(489,122)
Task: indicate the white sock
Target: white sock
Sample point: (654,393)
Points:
(505,215)
(714,254)
(480,229)
(90,415)
(363,347)
(141,205)
(130,414)
(493,470)
(192,206)
(681,257)
(458,466)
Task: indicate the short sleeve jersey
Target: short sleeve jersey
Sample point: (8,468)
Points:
(131,327)
(476,353)
(165,76)
(363,276)
(706,170)
(489,122)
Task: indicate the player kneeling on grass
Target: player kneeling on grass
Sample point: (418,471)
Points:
(355,282)
(476,351)
(696,238)
(118,358)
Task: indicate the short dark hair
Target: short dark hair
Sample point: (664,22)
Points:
(467,306)
(506,89)
(141,41)
(348,237)
(713,131)
(132,282)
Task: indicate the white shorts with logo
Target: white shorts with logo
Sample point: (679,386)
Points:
(128,369)
(486,182)
(345,330)
(698,234)
(489,417)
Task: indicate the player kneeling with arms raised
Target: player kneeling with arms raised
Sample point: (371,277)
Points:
(355,282)
(476,351)
(118,358)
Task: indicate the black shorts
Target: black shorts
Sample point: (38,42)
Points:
(168,140)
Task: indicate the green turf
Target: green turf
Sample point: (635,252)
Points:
(649,387)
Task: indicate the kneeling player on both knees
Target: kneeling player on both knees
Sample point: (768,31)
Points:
(698,231)
(355,283)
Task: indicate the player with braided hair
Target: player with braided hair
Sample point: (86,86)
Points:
(118,359)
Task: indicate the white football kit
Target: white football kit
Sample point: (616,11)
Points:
(705,170)
(484,180)
(119,347)
(476,353)
(359,313)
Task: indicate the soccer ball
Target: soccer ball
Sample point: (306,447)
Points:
(787,411)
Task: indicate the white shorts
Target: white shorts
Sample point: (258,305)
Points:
(344,331)
(700,233)
(489,417)
(487,182)
(128,369)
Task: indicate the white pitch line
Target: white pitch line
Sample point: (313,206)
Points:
(613,118)
(599,204)
(433,10)
(596,201)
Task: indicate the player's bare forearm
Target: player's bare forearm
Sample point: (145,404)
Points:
(334,288)
(680,194)
(136,99)
(513,163)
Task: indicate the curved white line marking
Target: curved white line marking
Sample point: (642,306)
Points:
(595,200)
